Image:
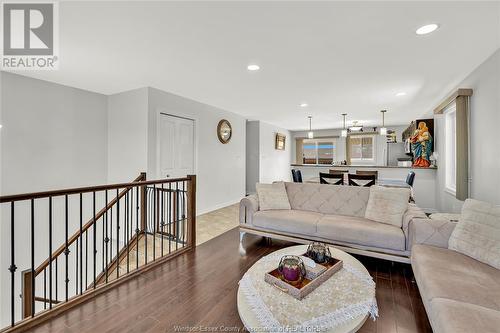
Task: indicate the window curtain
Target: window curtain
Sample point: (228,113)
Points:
(462,147)
(299,151)
(348,152)
(462,99)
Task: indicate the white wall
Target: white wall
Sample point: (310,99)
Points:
(483,133)
(274,165)
(266,164)
(220,168)
(53,137)
(252,156)
(127,135)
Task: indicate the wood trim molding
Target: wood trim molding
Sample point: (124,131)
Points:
(460,92)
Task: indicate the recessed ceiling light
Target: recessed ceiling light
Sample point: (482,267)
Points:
(304,105)
(402,93)
(427,29)
(253,67)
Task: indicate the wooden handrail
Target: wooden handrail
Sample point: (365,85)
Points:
(91,221)
(78,190)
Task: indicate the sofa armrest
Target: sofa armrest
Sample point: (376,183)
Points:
(431,232)
(413,212)
(248,206)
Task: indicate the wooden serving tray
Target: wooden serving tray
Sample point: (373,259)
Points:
(306,286)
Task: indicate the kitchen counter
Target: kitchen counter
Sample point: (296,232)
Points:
(358,166)
(424,186)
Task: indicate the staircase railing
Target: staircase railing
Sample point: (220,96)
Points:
(139,224)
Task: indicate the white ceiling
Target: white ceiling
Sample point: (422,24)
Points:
(350,57)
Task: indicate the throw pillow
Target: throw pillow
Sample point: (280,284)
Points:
(387,205)
(477,233)
(272,196)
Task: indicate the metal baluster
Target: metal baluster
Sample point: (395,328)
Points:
(155,216)
(146,228)
(162,218)
(12,268)
(169,217)
(94,238)
(137,227)
(66,250)
(126,228)
(103,240)
(57,284)
(32,257)
(106,239)
(50,252)
(117,234)
(176,210)
(183,205)
(81,243)
(86,258)
(111,233)
(76,270)
(44,289)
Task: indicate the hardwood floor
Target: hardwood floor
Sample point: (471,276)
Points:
(199,289)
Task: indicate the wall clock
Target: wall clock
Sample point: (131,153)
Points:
(224,131)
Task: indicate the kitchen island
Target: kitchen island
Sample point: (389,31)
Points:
(424,186)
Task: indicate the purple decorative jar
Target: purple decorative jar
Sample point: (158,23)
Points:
(292,269)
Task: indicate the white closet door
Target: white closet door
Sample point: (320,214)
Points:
(176,140)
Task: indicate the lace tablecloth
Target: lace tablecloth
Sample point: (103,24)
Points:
(348,295)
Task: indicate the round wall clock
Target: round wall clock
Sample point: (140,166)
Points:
(224,131)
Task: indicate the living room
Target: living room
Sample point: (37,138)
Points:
(157,161)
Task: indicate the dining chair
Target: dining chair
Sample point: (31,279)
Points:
(366,172)
(410,178)
(361,180)
(335,179)
(296,176)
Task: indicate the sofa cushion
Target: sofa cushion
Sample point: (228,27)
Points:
(449,316)
(293,221)
(443,273)
(478,232)
(272,196)
(328,199)
(387,205)
(361,231)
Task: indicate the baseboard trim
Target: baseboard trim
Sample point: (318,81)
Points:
(218,206)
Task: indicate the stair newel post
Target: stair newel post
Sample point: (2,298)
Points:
(26,285)
(143,204)
(191,210)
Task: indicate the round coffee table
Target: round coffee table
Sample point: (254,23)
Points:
(251,320)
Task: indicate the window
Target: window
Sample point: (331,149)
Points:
(450,148)
(318,151)
(362,147)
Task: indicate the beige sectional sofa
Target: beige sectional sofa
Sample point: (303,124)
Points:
(460,294)
(333,214)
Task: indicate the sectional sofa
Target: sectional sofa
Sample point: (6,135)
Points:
(334,214)
(460,294)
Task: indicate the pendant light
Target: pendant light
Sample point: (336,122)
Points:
(383,129)
(355,127)
(310,134)
(343,133)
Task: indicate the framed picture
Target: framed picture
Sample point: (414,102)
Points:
(280,141)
